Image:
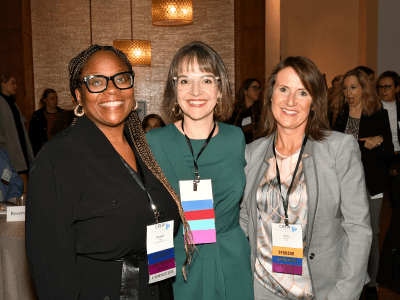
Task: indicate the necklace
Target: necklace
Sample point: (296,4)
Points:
(51,115)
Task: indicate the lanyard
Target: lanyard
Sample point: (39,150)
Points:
(286,201)
(142,183)
(196,169)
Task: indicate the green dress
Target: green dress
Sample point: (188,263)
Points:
(221,270)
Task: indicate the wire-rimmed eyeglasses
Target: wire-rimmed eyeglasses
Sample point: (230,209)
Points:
(186,83)
(99,83)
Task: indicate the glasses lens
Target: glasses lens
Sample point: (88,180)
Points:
(207,83)
(256,88)
(96,84)
(123,81)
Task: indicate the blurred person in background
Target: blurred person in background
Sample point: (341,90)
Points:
(370,73)
(152,121)
(13,135)
(358,111)
(11,185)
(41,125)
(247,109)
(388,87)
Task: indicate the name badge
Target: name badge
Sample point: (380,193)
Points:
(5,178)
(160,251)
(287,249)
(15,213)
(246,121)
(199,210)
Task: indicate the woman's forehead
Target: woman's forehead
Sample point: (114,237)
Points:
(192,64)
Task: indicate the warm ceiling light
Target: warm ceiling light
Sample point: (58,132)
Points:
(138,51)
(172,13)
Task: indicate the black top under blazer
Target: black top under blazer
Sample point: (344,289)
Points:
(86,211)
(374,160)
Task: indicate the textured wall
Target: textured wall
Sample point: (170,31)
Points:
(324,31)
(61,29)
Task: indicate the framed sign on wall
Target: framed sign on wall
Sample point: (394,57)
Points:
(142,110)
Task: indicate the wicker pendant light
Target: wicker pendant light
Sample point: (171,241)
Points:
(138,51)
(172,13)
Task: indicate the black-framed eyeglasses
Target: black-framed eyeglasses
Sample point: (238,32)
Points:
(256,88)
(99,83)
(384,87)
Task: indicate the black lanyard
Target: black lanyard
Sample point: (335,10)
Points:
(196,169)
(142,183)
(286,201)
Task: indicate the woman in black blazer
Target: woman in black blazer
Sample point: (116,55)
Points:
(94,189)
(357,110)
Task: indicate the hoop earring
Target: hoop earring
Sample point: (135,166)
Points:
(217,113)
(136,106)
(78,111)
(174,110)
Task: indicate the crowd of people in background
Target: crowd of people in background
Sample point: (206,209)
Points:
(338,147)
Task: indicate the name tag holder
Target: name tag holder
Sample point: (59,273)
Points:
(197,200)
(287,239)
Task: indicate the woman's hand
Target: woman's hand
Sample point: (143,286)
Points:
(372,141)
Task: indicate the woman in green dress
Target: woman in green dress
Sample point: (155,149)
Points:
(197,148)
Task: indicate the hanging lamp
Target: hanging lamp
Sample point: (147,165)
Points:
(137,51)
(172,13)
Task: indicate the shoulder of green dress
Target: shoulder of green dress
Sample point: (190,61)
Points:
(230,129)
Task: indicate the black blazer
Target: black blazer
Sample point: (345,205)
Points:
(86,211)
(38,130)
(374,160)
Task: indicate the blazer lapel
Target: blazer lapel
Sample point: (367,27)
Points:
(267,149)
(312,190)
(101,150)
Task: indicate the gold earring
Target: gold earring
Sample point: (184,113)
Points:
(78,111)
(217,113)
(176,110)
(136,106)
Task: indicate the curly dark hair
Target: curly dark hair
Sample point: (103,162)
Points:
(317,124)
(209,61)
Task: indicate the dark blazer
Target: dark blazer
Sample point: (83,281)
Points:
(85,213)
(374,160)
(38,130)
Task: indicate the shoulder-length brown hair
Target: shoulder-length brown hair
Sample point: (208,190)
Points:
(396,81)
(312,79)
(370,102)
(209,61)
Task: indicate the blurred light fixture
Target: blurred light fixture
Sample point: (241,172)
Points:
(172,13)
(137,51)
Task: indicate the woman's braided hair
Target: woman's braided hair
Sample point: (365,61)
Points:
(136,132)
(77,64)
(139,139)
